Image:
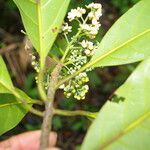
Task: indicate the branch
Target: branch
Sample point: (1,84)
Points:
(74,113)
(48,114)
(30,108)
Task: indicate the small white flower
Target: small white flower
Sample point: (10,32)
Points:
(33,57)
(76,13)
(66,28)
(87,52)
(97,26)
(87,44)
(90,45)
(85,27)
(90,30)
(89,69)
(91,15)
(84,44)
(93,31)
(81,10)
(94,6)
(62,86)
(73,14)
(83,74)
(94,21)
(33,63)
(98,13)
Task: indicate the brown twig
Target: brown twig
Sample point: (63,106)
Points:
(48,114)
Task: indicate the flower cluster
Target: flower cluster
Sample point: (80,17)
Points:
(34,63)
(91,30)
(81,48)
(76,88)
(36,67)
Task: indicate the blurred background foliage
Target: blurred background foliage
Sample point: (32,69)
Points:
(103,81)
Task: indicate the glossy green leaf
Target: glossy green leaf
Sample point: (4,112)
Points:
(128,40)
(124,123)
(6,85)
(5,81)
(11,109)
(11,112)
(42,20)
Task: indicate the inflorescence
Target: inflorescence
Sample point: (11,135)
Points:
(79,51)
(81,48)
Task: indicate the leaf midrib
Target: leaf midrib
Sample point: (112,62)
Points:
(12,90)
(40,26)
(5,86)
(120,46)
(126,130)
(39,6)
(14,103)
(41,35)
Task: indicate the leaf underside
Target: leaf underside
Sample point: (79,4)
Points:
(124,125)
(11,112)
(42,20)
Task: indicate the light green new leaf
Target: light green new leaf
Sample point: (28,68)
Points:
(128,40)
(5,82)
(124,125)
(11,109)
(42,20)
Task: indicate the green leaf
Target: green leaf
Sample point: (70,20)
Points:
(5,80)
(11,109)
(11,112)
(42,20)
(128,40)
(6,85)
(124,122)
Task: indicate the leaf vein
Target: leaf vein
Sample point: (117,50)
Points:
(46,4)
(27,15)
(14,103)
(33,1)
(55,18)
